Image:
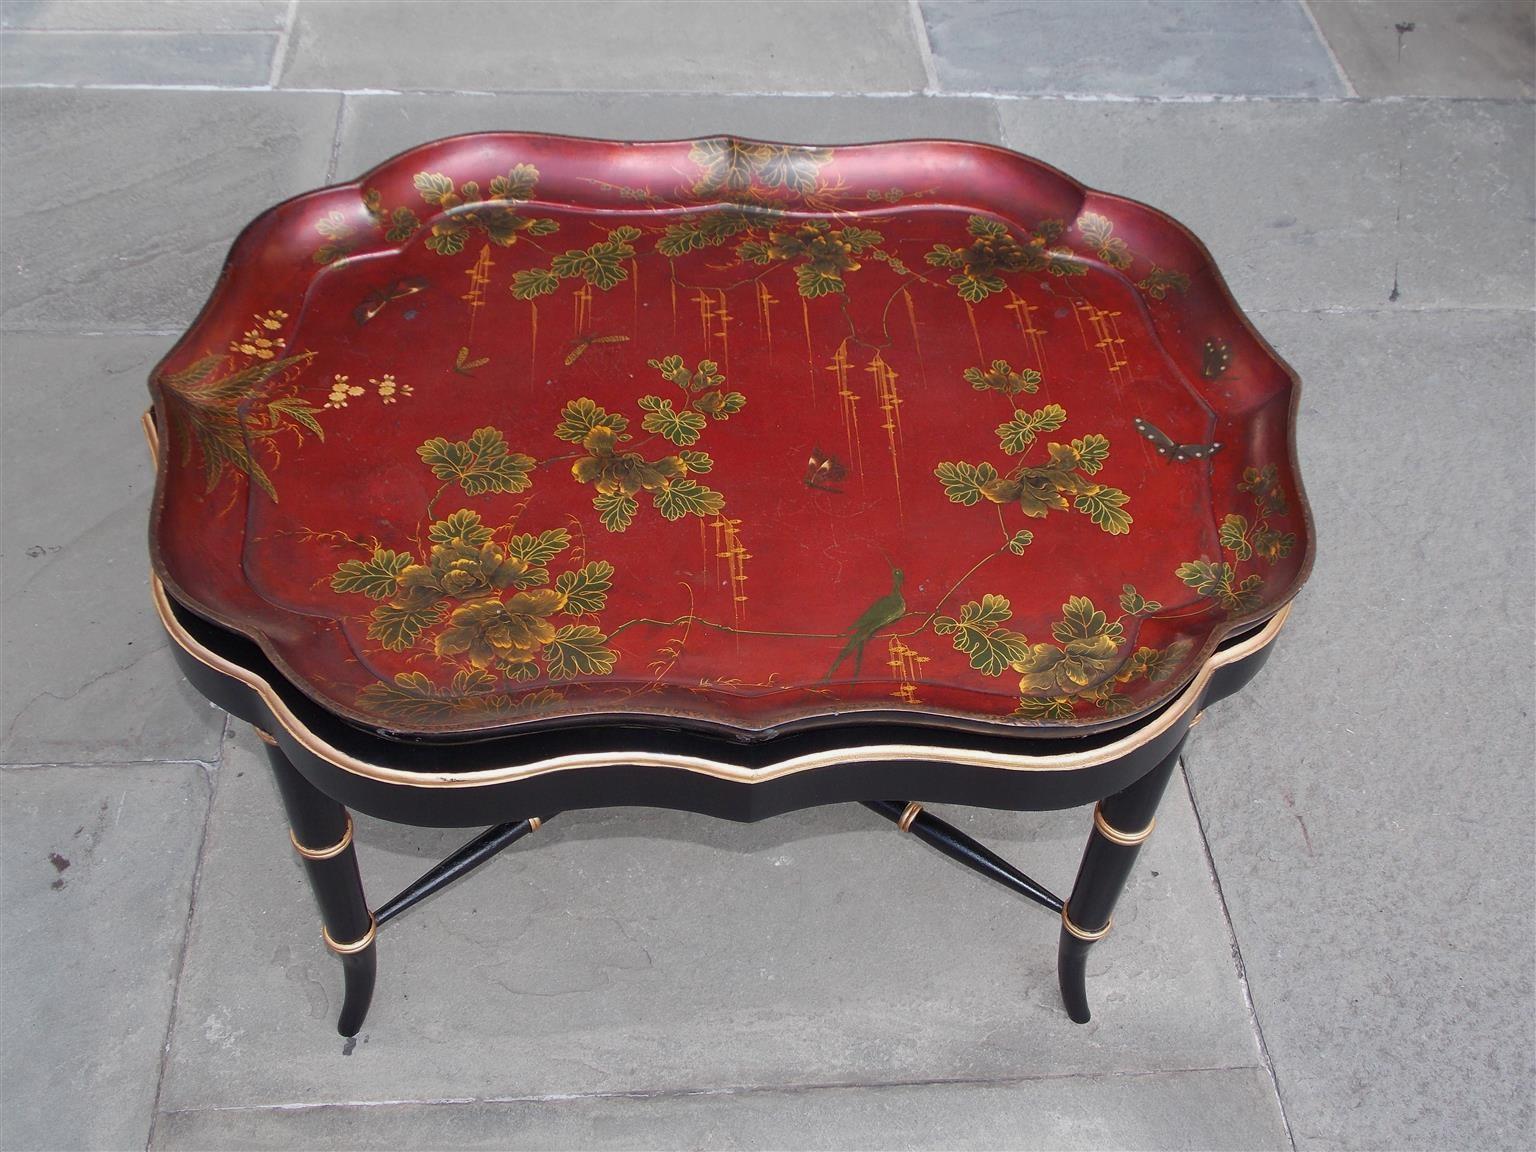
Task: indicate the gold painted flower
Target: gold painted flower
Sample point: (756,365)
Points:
(1088,653)
(491,631)
(341,392)
(462,571)
(256,343)
(389,389)
(628,472)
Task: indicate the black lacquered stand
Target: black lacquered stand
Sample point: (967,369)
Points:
(324,766)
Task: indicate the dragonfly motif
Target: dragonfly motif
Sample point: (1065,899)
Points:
(464,366)
(374,303)
(1166,447)
(582,343)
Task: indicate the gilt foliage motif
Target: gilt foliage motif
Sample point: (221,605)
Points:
(1247,541)
(461,211)
(994,251)
(619,476)
(1002,378)
(602,265)
(1083,661)
(480,464)
(729,167)
(205,404)
(821,253)
(485,601)
(1064,480)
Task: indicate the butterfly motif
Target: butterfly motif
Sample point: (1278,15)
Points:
(823,471)
(464,366)
(373,303)
(1214,359)
(1167,448)
(582,343)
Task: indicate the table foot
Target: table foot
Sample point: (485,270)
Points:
(1121,824)
(358,971)
(321,832)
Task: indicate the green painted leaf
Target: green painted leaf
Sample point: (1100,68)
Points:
(1105,507)
(1064,262)
(859,239)
(446,243)
(480,464)
(1133,603)
(978,632)
(433,186)
(687,497)
(579,417)
(397,628)
(615,509)
(586,589)
(981,227)
(1245,596)
(1206,578)
(1091,451)
(378,578)
(461,527)
(696,461)
(1157,664)
(1042,708)
(403,225)
(578,650)
(813,282)
(943,256)
(681,428)
(963,482)
(1234,536)
(537,551)
(672,369)
(974,288)
(694,232)
(755,252)
(1019,433)
(1219,582)
(1080,620)
(601,265)
(517,184)
(534,282)
(1019,541)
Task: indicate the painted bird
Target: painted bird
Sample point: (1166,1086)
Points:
(887,610)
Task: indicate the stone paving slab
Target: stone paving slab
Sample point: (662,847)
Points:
(86,674)
(118,207)
(376,127)
(1128,48)
(646,951)
(1368,801)
(1306,206)
(96,868)
(1458,48)
(136,15)
(1222,1108)
(664,45)
(232,60)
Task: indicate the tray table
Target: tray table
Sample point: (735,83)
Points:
(531,473)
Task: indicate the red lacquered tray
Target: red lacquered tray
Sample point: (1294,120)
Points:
(523,428)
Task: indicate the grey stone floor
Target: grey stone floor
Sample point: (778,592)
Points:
(1329,943)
